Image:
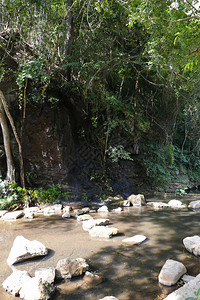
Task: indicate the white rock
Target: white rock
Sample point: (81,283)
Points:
(86,209)
(92,279)
(136,239)
(104,208)
(186,291)
(36,289)
(84,217)
(176,204)
(171,272)
(126,203)
(29,215)
(13,215)
(117,210)
(103,231)
(46,274)
(187,278)
(137,200)
(24,249)
(33,209)
(157,204)
(3,212)
(109,298)
(69,267)
(50,210)
(192,244)
(66,208)
(194,204)
(15,281)
(87,225)
(66,215)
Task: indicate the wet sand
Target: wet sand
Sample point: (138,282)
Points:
(129,272)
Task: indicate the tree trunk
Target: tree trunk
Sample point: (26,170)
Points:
(4,104)
(6,139)
(69,33)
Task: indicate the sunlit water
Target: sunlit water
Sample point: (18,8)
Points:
(131,273)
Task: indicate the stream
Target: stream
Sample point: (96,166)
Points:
(129,272)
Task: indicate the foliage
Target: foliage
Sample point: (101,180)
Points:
(15,197)
(118,152)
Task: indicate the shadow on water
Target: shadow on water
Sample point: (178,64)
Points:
(129,272)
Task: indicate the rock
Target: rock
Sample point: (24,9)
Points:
(29,215)
(84,217)
(104,208)
(86,209)
(36,289)
(92,279)
(117,210)
(55,209)
(157,204)
(67,208)
(194,204)
(69,267)
(78,212)
(109,298)
(171,272)
(33,209)
(23,249)
(176,204)
(46,274)
(126,203)
(15,281)
(66,215)
(138,200)
(13,215)
(103,231)
(136,239)
(87,225)
(2,213)
(187,278)
(187,291)
(192,244)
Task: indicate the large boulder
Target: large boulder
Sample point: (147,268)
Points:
(187,291)
(23,249)
(13,215)
(175,204)
(192,244)
(14,282)
(102,209)
(69,267)
(19,283)
(194,204)
(171,272)
(36,289)
(156,205)
(87,225)
(84,217)
(103,231)
(137,200)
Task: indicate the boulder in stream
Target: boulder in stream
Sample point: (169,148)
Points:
(20,283)
(137,200)
(175,204)
(13,215)
(70,267)
(103,231)
(192,244)
(109,298)
(103,209)
(23,249)
(88,224)
(194,204)
(171,272)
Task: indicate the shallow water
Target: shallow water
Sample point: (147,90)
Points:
(131,273)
